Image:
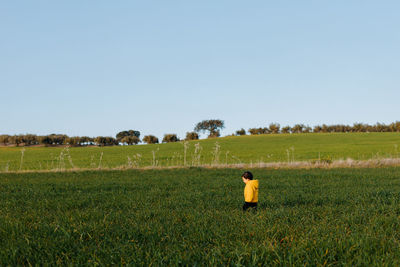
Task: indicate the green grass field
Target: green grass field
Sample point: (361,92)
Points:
(228,150)
(193,216)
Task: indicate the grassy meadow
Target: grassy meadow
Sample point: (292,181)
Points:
(193,216)
(220,151)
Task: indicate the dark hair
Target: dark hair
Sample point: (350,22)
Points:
(247,175)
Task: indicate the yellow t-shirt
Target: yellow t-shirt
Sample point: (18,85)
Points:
(251,191)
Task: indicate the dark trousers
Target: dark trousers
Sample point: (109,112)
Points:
(248,205)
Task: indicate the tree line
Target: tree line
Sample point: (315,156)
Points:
(130,137)
(275,128)
(212,127)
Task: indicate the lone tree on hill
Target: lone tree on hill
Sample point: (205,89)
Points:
(212,126)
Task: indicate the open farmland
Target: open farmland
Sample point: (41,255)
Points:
(214,152)
(189,216)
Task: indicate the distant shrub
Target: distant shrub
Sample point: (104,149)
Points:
(307,129)
(29,139)
(57,139)
(286,129)
(73,141)
(395,126)
(317,129)
(15,140)
(241,132)
(45,140)
(150,139)
(359,127)
(192,136)
(170,138)
(4,139)
(105,141)
(130,140)
(86,140)
(123,134)
(298,128)
(274,128)
(255,131)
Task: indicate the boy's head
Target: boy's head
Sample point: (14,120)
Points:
(247,176)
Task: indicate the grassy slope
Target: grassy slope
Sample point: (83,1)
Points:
(185,216)
(244,149)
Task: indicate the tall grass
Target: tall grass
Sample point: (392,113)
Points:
(22,159)
(100,161)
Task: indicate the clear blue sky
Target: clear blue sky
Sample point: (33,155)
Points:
(99,67)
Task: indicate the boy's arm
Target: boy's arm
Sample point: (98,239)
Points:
(248,194)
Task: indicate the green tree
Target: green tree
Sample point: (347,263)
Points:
(359,127)
(255,131)
(286,130)
(130,140)
(317,129)
(30,139)
(170,138)
(298,128)
(307,129)
(395,126)
(212,126)
(58,139)
(105,141)
(16,140)
(122,134)
(45,140)
(85,141)
(4,139)
(73,141)
(192,136)
(150,139)
(241,132)
(274,128)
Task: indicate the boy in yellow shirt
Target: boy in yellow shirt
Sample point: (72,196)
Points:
(250,191)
